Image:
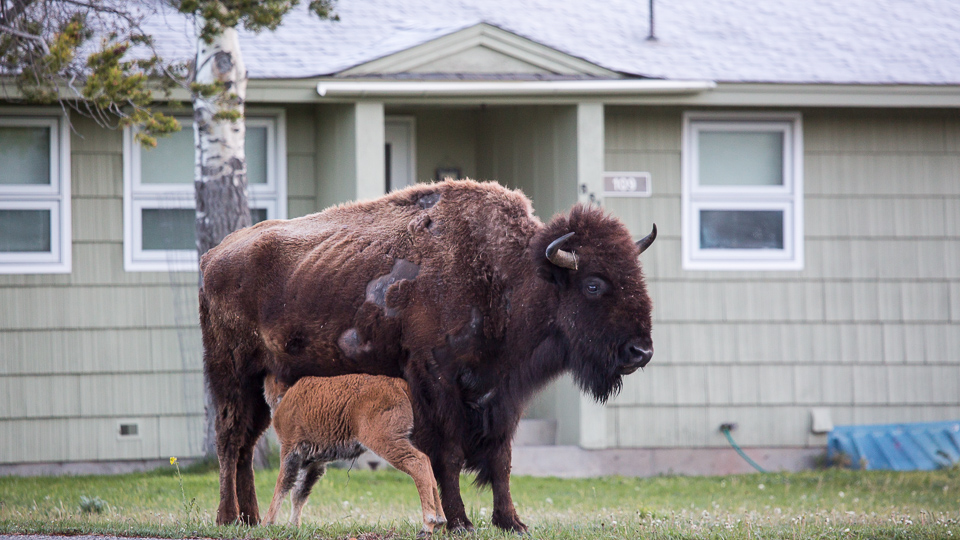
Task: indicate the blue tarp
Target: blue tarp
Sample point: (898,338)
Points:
(899,447)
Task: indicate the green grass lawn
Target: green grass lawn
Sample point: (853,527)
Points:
(371,505)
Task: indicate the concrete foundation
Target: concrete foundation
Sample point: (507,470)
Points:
(80,468)
(528,459)
(576,462)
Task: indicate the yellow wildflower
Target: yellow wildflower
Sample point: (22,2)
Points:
(173,461)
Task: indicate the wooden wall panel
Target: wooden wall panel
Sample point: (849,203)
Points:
(98,219)
(299,207)
(300,174)
(301,130)
(180,435)
(95,307)
(881,174)
(100,175)
(533,149)
(868,328)
(87,137)
(141,394)
(83,350)
(629,129)
(77,352)
(33,440)
(446,138)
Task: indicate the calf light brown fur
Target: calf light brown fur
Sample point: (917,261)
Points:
(324,419)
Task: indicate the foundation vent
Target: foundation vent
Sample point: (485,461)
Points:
(128,430)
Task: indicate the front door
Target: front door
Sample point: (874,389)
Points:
(400,149)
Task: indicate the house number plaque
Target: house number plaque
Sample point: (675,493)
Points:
(626,184)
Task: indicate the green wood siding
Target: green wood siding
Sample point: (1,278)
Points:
(868,328)
(301,161)
(446,138)
(534,149)
(85,350)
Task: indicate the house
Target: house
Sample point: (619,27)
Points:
(800,158)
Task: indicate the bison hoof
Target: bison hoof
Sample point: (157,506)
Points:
(459,526)
(510,523)
(228,516)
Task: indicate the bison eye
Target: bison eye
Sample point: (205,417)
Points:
(594,286)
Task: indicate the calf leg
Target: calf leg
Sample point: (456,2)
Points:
(308,476)
(290,464)
(388,438)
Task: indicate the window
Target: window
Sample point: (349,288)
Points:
(159,198)
(742,191)
(34,194)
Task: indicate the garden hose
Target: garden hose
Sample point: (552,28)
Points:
(725,429)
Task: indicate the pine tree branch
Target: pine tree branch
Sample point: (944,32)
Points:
(25,35)
(14,11)
(102,8)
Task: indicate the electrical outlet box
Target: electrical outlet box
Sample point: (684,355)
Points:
(820,420)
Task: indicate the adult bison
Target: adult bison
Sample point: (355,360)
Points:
(456,287)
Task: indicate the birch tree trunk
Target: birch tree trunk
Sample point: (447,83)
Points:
(220,174)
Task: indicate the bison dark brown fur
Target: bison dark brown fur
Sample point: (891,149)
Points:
(446,285)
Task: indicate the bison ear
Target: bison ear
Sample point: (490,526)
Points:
(550,274)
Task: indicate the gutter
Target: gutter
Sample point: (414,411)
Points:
(421,89)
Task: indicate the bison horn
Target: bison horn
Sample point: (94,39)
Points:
(645,242)
(559,257)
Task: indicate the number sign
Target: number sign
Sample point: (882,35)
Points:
(626,184)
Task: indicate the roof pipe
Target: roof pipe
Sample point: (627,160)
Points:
(652,35)
(364,88)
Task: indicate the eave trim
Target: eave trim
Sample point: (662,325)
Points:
(419,89)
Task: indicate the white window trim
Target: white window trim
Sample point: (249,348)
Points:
(55,197)
(788,197)
(137,196)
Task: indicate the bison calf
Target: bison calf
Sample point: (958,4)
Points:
(324,419)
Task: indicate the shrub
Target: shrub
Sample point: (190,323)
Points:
(92,505)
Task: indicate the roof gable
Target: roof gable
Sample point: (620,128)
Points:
(481,49)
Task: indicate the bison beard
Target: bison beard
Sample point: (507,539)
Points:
(454,286)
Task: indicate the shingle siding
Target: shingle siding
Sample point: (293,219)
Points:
(85,350)
(867,328)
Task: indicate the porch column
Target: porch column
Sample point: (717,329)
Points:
(370,156)
(350,152)
(590,164)
(590,152)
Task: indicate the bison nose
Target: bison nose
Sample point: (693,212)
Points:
(637,356)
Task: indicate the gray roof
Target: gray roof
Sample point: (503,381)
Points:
(779,41)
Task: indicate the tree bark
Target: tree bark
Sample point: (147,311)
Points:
(221,164)
(220,174)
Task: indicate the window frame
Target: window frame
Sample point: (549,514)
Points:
(54,196)
(787,197)
(137,196)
